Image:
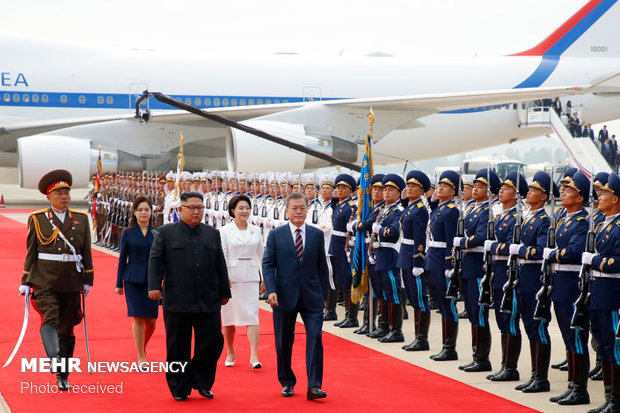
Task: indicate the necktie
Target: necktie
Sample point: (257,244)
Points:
(299,245)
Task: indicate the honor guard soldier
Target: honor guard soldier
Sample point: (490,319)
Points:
(530,253)
(365,229)
(600,180)
(386,231)
(500,249)
(571,232)
(58,267)
(566,179)
(342,213)
(468,188)
(439,262)
(159,206)
(414,221)
(604,292)
(472,244)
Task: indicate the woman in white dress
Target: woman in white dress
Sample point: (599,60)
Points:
(243,248)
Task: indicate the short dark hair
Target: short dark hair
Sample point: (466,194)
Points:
(136,202)
(191,194)
(235,200)
(295,195)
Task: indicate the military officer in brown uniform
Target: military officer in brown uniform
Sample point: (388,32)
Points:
(58,267)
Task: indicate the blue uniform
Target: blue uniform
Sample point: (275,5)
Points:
(604,300)
(473,262)
(365,228)
(386,256)
(413,222)
(442,230)
(504,228)
(341,215)
(534,238)
(571,232)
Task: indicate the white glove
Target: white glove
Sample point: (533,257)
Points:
(351,226)
(376,227)
(25,290)
(447,273)
(175,204)
(417,271)
(586,257)
(457,241)
(348,256)
(487,245)
(547,252)
(87,289)
(514,249)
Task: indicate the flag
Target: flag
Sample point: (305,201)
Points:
(177,182)
(359,264)
(96,189)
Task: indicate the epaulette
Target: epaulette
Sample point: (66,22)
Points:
(39,211)
(420,204)
(451,206)
(352,203)
(400,207)
(543,216)
(579,218)
(77,212)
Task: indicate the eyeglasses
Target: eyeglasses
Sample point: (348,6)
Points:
(194,208)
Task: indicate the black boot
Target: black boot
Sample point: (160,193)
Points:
(541,383)
(416,327)
(533,364)
(571,376)
(347,308)
(561,365)
(364,328)
(330,310)
(384,326)
(579,395)
(504,343)
(513,350)
(396,323)
(596,373)
(351,321)
(421,340)
(606,372)
(614,395)
(474,346)
(49,337)
(483,348)
(66,351)
(450,330)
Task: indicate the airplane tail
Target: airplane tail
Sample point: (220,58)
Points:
(594,31)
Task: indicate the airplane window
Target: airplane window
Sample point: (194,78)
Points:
(207,101)
(276,101)
(216,101)
(242,102)
(109,100)
(250,102)
(259,101)
(514,106)
(522,105)
(225,102)
(25,98)
(100,100)
(35,98)
(233,102)
(284,100)
(15,98)
(268,101)
(82,99)
(44,99)
(63,98)
(197,102)
(188,101)
(7,97)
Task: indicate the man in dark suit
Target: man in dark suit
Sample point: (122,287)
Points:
(296,278)
(187,256)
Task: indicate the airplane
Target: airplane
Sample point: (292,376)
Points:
(60,102)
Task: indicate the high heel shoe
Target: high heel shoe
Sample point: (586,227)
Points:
(229,363)
(256,365)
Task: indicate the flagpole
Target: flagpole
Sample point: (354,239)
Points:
(370,304)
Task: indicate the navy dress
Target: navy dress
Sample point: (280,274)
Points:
(133,272)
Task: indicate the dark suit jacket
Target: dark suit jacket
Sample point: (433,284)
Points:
(191,264)
(134,256)
(291,279)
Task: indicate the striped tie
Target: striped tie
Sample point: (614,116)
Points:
(299,245)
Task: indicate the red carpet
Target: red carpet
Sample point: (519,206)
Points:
(355,377)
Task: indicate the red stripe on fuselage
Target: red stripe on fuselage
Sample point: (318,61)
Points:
(546,44)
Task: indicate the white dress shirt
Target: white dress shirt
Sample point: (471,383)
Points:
(294,234)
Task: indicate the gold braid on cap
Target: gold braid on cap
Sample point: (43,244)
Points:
(42,239)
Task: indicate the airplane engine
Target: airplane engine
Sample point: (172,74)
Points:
(40,154)
(246,152)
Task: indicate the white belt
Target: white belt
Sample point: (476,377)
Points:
(339,233)
(598,274)
(500,258)
(436,244)
(406,241)
(389,245)
(567,267)
(475,249)
(60,257)
(522,261)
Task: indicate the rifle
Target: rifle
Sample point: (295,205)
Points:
(486,292)
(225,203)
(374,243)
(543,301)
(618,330)
(287,194)
(315,213)
(454,279)
(509,288)
(579,320)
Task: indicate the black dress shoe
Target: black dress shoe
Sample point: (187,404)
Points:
(63,384)
(417,345)
(350,323)
(575,397)
(506,374)
(560,365)
(205,393)
(180,398)
(287,391)
(445,355)
(464,366)
(394,336)
(330,316)
(559,397)
(537,386)
(596,373)
(526,384)
(316,393)
(341,322)
(479,366)
(378,333)
(362,330)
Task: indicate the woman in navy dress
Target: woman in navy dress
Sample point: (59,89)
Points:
(132,274)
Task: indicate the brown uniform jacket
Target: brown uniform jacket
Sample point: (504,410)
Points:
(56,275)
